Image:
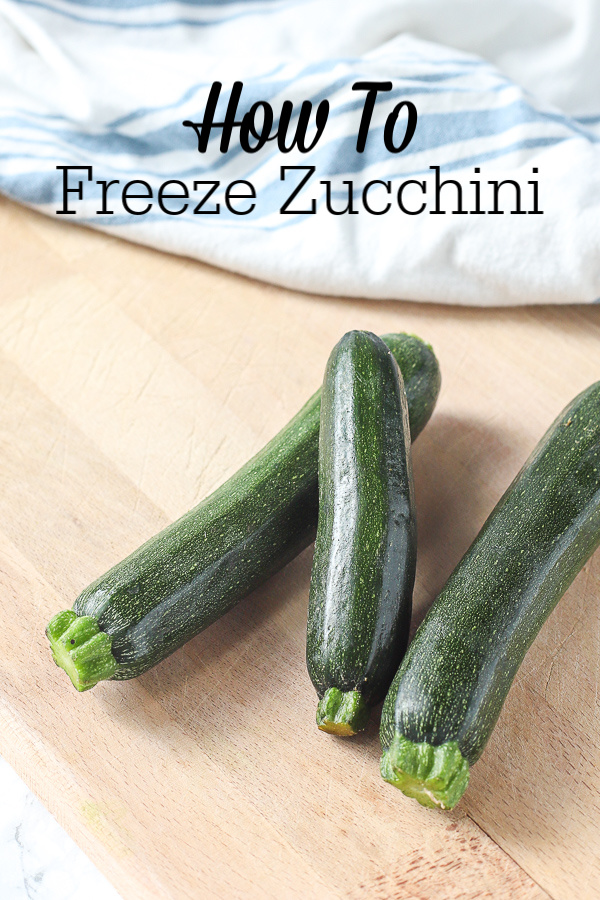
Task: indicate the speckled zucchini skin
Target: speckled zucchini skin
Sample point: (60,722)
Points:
(457,672)
(366,546)
(196,569)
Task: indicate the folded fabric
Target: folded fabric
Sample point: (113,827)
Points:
(508,104)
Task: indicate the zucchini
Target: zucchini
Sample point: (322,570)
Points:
(365,551)
(196,569)
(449,690)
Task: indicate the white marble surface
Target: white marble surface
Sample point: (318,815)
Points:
(38,859)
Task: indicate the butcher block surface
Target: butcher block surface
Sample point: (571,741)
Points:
(132,384)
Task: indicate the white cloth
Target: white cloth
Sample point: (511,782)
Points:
(507,88)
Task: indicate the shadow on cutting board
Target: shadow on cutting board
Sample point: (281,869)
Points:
(461,468)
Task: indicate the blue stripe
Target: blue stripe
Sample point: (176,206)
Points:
(137,4)
(171,23)
(338,157)
(307,71)
(463,125)
(314,68)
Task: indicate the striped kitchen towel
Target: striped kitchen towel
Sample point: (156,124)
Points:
(494,200)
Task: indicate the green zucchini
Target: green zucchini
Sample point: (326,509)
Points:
(191,573)
(447,695)
(366,546)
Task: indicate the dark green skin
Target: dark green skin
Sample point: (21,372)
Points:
(459,668)
(366,546)
(195,570)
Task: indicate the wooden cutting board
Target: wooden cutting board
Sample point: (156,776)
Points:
(132,384)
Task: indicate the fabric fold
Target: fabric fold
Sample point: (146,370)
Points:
(505,162)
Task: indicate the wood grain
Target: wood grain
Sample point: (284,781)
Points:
(133,383)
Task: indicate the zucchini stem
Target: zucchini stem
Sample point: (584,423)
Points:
(342,712)
(435,776)
(81,649)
